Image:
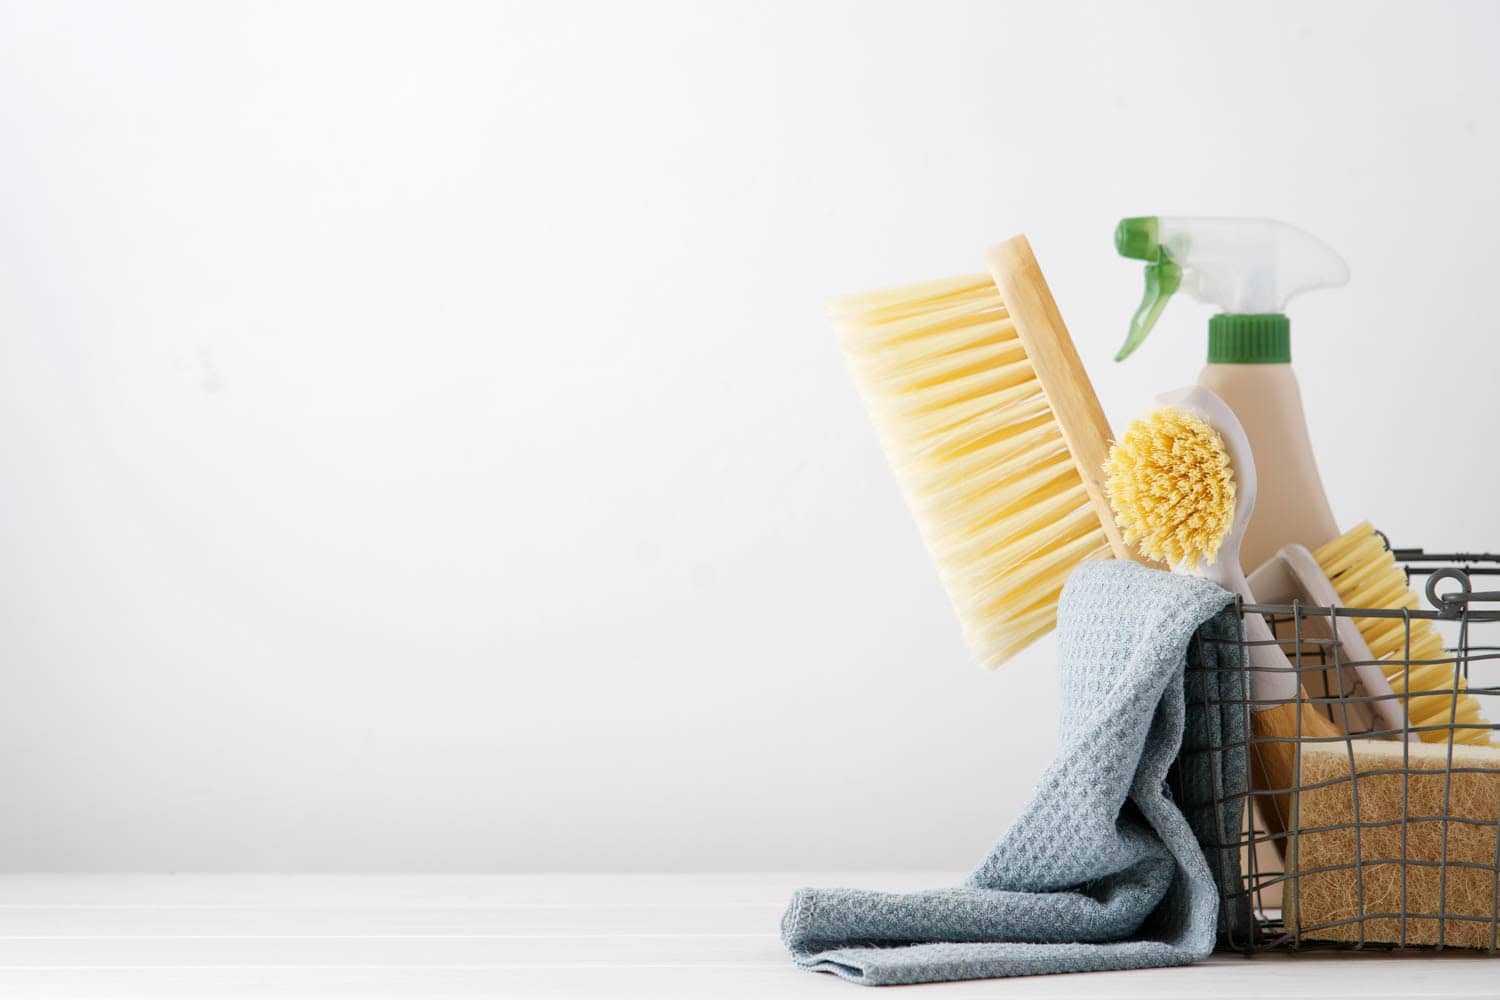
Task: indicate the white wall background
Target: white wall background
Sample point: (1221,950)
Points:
(424,447)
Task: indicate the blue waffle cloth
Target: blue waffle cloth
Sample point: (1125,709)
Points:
(1103,868)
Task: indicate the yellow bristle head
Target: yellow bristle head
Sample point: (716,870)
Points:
(1171,485)
(983,463)
(1365,574)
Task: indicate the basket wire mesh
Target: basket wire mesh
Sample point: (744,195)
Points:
(1394,837)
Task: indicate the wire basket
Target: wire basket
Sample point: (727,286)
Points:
(1394,835)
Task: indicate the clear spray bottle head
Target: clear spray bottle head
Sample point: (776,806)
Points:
(1243,266)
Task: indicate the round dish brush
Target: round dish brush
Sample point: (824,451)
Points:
(1365,575)
(1172,488)
(1182,484)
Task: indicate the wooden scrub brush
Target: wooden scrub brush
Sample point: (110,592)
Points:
(991,425)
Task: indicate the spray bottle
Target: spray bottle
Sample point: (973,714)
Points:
(1249,268)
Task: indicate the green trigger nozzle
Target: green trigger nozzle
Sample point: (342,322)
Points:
(1137,239)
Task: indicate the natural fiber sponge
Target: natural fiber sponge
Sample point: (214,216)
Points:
(1326,905)
(1171,486)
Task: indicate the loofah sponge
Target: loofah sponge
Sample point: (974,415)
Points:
(1171,487)
(1319,903)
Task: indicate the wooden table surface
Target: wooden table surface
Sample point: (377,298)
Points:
(575,935)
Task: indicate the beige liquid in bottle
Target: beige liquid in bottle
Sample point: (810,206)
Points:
(1290,503)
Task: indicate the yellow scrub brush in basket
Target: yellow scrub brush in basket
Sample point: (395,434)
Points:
(1410,651)
(993,429)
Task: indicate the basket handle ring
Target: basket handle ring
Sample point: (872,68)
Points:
(1455,600)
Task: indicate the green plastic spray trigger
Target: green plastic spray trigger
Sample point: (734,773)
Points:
(1136,239)
(1249,268)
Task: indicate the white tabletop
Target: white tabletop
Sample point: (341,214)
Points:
(617,936)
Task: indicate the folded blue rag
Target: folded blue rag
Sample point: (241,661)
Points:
(1102,869)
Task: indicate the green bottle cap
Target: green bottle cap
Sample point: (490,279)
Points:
(1249,339)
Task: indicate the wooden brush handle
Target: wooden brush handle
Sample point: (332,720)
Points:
(1070,394)
(1273,766)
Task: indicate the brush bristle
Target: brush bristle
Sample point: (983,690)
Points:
(1365,575)
(980,458)
(1172,487)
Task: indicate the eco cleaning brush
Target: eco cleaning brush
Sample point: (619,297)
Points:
(1182,484)
(1365,575)
(993,430)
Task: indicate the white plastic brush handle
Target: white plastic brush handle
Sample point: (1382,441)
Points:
(1272,678)
(1293,574)
(1280,719)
